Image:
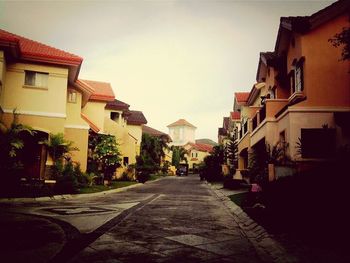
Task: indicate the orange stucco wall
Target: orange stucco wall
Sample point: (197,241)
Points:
(273,106)
(326,78)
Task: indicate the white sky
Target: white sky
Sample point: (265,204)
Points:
(169,59)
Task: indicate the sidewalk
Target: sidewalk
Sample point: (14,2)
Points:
(268,249)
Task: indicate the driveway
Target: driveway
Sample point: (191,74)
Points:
(175,219)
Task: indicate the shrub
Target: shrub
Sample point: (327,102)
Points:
(106,154)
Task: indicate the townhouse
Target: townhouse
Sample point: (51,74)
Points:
(301,101)
(196,152)
(41,83)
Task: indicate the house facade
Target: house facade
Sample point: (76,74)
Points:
(302,97)
(37,81)
(41,84)
(181,132)
(196,152)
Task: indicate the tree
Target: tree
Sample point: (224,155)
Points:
(179,154)
(231,152)
(107,154)
(211,169)
(11,143)
(342,39)
(58,146)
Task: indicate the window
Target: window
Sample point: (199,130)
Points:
(282,136)
(297,76)
(126,161)
(36,79)
(311,146)
(114,116)
(272,92)
(72,96)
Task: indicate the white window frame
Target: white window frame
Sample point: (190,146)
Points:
(72,96)
(36,79)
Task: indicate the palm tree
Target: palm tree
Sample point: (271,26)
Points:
(58,146)
(179,154)
(11,143)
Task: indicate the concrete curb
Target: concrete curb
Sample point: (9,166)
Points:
(67,196)
(72,196)
(268,249)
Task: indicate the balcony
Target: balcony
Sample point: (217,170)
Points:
(268,111)
(255,121)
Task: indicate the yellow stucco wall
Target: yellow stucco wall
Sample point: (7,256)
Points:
(2,67)
(195,160)
(80,140)
(73,112)
(95,110)
(127,144)
(136,131)
(50,101)
(45,124)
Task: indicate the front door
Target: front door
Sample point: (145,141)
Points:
(33,154)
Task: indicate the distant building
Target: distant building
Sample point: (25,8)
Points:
(182,132)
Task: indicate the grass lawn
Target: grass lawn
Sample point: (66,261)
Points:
(239,199)
(100,188)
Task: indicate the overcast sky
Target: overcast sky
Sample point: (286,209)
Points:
(169,59)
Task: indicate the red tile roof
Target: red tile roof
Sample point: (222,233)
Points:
(241,97)
(102,90)
(34,50)
(148,130)
(201,147)
(117,105)
(235,115)
(181,122)
(92,125)
(136,118)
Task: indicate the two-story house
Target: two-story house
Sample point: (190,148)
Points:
(40,83)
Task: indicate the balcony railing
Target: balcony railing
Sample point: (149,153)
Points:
(262,113)
(245,127)
(255,121)
(268,110)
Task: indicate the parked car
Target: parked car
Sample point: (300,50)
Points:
(182,169)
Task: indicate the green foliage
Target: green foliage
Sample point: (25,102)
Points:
(104,155)
(278,154)
(70,178)
(58,147)
(258,162)
(10,144)
(342,39)
(107,151)
(179,154)
(66,180)
(165,167)
(152,152)
(211,168)
(152,149)
(231,152)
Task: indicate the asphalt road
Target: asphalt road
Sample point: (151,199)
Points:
(175,219)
